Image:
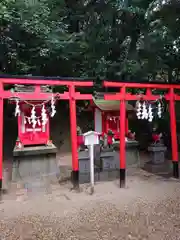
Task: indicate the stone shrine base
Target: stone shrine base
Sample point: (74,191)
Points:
(35,166)
(107,175)
(157,153)
(106,163)
(163,169)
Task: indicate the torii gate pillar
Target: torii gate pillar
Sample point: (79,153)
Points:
(73,126)
(122,140)
(1,138)
(174,143)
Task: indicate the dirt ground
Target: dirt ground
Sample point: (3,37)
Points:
(149,208)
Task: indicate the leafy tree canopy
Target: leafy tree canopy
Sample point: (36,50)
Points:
(117,39)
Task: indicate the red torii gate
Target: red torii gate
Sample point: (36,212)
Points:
(123,96)
(70,95)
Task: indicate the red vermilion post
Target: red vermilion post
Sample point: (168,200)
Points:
(1,137)
(122,140)
(173,134)
(73,126)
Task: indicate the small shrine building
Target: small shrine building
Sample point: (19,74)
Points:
(107,115)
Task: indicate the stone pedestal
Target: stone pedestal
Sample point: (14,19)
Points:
(157,153)
(106,162)
(35,166)
(132,153)
(84,168)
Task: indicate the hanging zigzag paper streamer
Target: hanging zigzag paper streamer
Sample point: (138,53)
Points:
(144,111)
(53,107)
(150,113)
(33,117)
(39,122)
(138,112)
(44,116)
(17,110)
(159,113)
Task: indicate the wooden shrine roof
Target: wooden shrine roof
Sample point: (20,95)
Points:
(111,105)
(105,105)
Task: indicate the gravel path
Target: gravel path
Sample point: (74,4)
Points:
(149,208)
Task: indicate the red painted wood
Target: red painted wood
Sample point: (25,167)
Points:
(34,96)
(111,125)
(130,97)
(173,126)
(44,96)
(71,95)
(37,89)
(30,136)
(116,96)
(140,85)
(171,97)
(1,133)
(80,140)
(73,125)
(46,82)
(122,131)
(106,123)
(176,97)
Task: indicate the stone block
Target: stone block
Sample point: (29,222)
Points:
(157,157)
(84,165)
(132,157)
(157,153)
(103,176)
(85,177)
(97,154)
(108,163)
(113,174)
(6,180)
(116,157)
(33,167)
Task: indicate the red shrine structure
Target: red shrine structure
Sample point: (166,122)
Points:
(36,97)
(107,116)
(33,119)
(123,95)
(72,96)
(27,134)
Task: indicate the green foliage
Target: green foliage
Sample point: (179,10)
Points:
(116,39)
